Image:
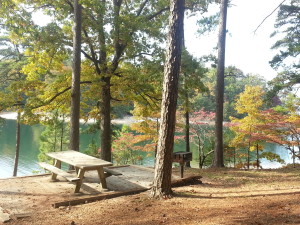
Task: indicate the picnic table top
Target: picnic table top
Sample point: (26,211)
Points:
(79,160)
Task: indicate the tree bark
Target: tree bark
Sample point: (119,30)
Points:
(62,133)
(218,157)
(105,122)
(257,156)
(163,166)
(75,90)
(187,121)
(187,135)
(106,72)
(18,138)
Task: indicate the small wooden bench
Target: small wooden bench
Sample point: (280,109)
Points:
(57,171)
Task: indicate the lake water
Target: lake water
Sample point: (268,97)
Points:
(29,150)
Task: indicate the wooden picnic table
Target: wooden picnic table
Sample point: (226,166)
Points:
(81,162)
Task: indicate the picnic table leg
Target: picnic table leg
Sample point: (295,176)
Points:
(102,177)
(57,164)
(79,182)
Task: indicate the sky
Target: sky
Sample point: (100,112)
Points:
(247,51)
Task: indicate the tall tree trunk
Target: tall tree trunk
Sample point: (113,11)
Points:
(187,123)
(163,166)
(219,158)
(105,123)
(186,113)
(18,138)
(105,104)
(187,135)
(75,92)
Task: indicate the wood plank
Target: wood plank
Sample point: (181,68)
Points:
(97,198)
(53,169)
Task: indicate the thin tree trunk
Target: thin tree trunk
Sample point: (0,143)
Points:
(157,131)
(187,130)
(294,157)
(18,138)
(200,154)
(257,156)
(75,91)
(234,157)
(163,166)
(186,114)
(248,157)
(219,158)
(62,133)
(55,132)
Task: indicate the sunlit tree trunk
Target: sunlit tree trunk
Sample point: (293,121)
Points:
(75,92)
(219,148)
(163,166)
(18,138)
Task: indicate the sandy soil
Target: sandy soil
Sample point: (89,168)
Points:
(226,196)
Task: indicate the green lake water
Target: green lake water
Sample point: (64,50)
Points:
(29,148)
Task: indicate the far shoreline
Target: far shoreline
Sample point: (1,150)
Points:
(127,120)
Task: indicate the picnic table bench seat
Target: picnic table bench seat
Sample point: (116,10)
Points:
(70,177)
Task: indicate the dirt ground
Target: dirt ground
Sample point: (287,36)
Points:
(226,196)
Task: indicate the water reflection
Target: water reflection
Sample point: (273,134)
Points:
(279,150)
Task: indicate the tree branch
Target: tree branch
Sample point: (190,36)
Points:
(158,13)
(93,58)
(138,13)
(58,94)
(87,55)
(268,16)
